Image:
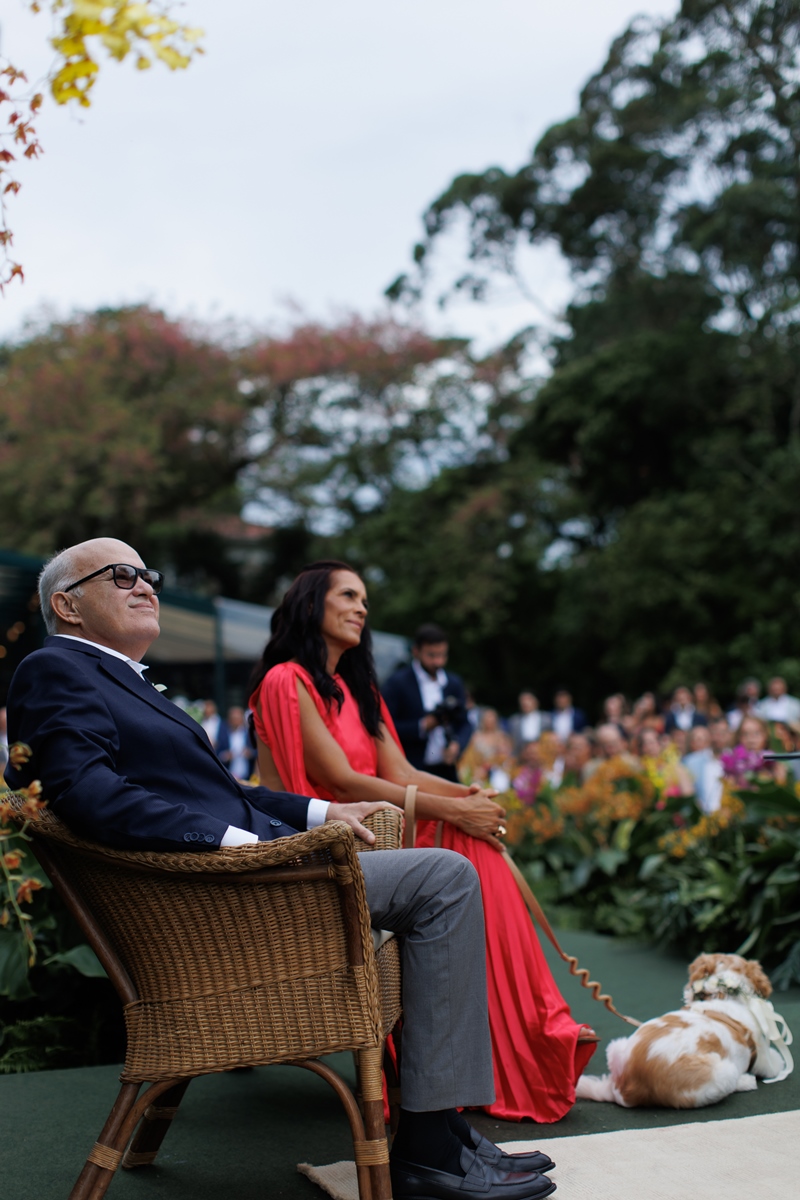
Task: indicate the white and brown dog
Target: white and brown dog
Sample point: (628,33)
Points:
(725,1036)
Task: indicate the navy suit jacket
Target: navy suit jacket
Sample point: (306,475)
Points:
(404,701)
(122,765)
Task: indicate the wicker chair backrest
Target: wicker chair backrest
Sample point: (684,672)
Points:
(237,957)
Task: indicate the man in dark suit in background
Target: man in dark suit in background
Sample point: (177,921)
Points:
(429,706)
(565,718)
(122,765)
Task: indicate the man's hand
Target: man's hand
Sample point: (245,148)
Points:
(451,753)
(353,815)
(428,722)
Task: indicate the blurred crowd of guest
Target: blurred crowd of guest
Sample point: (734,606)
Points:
(683,739)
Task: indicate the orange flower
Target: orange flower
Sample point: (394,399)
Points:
(26,889)
(18,754)
(12,859)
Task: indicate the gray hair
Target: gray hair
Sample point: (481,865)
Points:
(56,575)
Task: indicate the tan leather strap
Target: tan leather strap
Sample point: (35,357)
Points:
(535,909)
(409,810)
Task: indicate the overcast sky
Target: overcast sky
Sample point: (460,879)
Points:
(293,162)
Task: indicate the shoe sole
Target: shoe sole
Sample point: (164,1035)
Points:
(532,1196)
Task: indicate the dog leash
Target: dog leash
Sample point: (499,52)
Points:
(535,909)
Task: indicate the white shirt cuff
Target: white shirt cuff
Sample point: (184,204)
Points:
(317,812)
(237,837)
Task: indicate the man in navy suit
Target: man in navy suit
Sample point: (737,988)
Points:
(429,706)
(122,765)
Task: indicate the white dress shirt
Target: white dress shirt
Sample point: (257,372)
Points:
(563,719)
(233,836)
(779,708)
(530,726)
(432,692)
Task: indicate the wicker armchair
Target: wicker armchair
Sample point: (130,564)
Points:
(245,957)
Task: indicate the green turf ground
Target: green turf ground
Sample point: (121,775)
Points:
(240,1135)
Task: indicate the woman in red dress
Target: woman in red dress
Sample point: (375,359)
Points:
(323,730)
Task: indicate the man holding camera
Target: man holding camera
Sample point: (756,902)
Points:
(428,706)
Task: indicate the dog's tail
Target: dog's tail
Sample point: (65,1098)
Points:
(595,1087)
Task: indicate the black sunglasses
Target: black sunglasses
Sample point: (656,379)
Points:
(125,577)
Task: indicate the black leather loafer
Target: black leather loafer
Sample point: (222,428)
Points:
(536,1160)
(481,1182)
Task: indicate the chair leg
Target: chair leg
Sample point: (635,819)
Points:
(99,1168)
(154,1127)
(365,1190)
(106,1154)
(375,1151)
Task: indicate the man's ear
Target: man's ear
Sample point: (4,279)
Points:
(63,605)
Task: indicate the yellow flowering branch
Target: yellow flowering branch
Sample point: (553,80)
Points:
(83,30)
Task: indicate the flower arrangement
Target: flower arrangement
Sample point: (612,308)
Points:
(17,887)
(626,854)
(741,767)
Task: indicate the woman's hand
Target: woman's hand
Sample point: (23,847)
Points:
(479,816)
(353,815)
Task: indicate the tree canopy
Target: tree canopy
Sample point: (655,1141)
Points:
(666,440)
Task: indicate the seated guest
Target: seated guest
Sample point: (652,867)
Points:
(699,756)
(609,743)
(122,765)
(747,695)
(528,724)
(614,712)
(319,717)
(239,754)
(709,790)
(682,713)
(753,735)
(645,712)
(488,757)
(778,705)
(705,703)
(214,726)
(429,706)
(663,759)
(565,719)
(577,756)
(529,775)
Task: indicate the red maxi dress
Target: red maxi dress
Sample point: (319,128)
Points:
(537,1058)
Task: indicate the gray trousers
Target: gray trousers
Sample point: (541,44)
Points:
(432,898)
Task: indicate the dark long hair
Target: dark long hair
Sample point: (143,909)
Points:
(297,634)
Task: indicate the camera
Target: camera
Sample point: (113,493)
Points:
(450,714)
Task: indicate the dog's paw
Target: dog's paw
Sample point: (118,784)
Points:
(747,1083)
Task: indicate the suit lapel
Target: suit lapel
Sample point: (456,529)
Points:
(123,674)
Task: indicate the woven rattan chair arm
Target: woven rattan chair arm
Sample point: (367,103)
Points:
(387,825)
(282,852)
